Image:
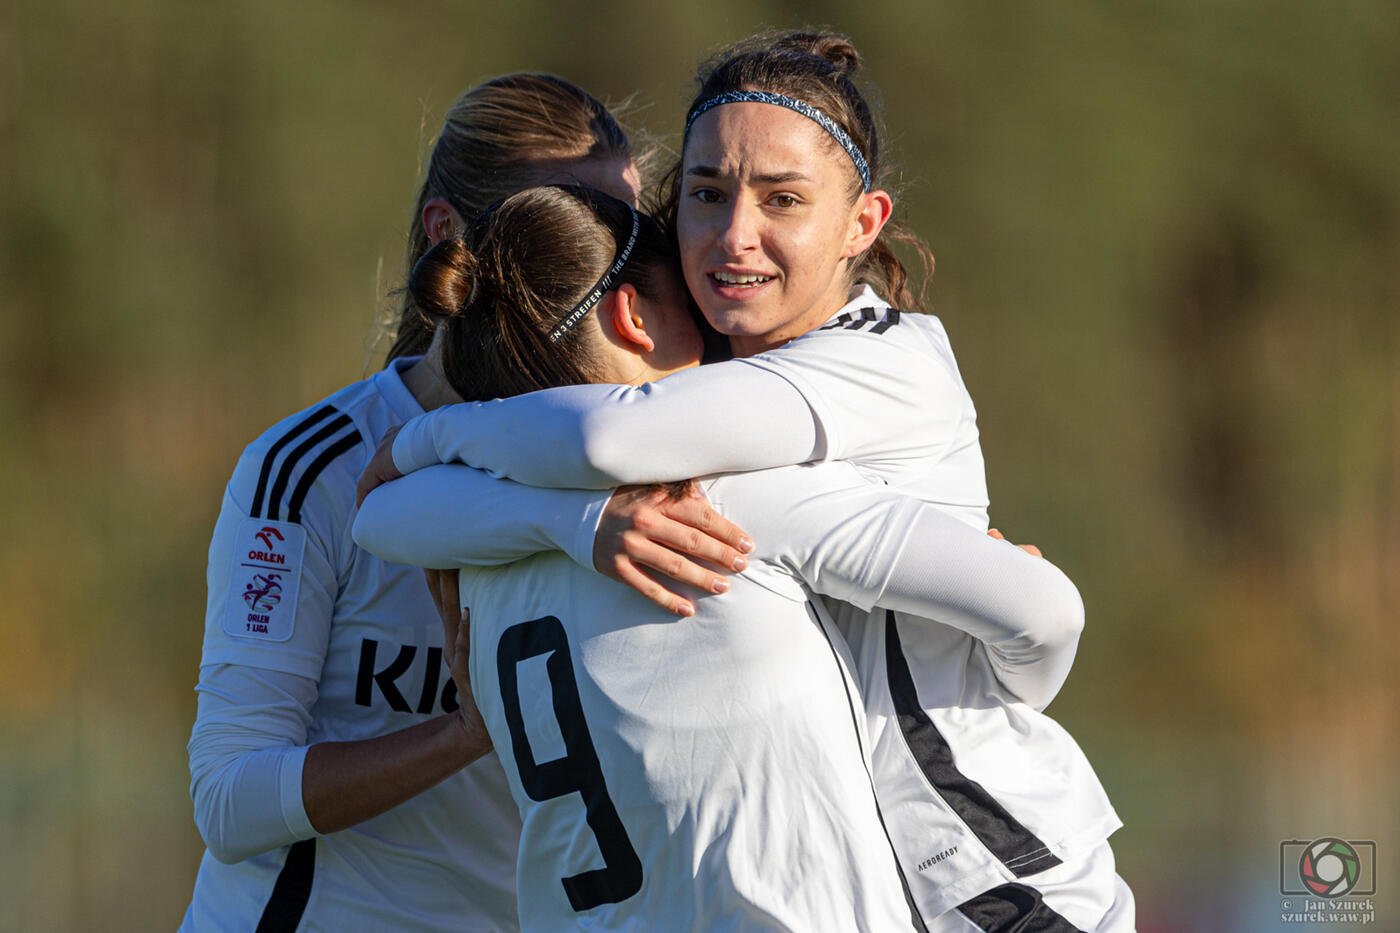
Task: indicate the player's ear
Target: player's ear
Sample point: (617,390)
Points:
(622,311)
(873,211)
(440,220)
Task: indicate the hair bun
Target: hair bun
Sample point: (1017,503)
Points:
(443,279)
(836,49)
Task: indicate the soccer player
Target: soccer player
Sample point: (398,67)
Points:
(329,760)
(781,220)
(700,773)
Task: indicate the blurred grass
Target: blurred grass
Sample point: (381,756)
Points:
(1167,240)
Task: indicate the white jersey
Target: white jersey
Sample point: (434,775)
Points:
(694,774)
(980,787)
(293,601)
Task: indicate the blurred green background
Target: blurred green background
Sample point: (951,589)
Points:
(1169,259)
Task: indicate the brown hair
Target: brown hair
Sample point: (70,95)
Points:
(517,271)
(816,67)
(492,143)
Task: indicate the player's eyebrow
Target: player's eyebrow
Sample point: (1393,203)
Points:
(762,178)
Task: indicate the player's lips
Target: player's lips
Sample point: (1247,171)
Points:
(737,283)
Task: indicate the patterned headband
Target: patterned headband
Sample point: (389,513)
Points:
(605,284)
(832,128)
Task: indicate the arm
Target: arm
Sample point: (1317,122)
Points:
(272,592)
(870,546)
(838,394)
(256,786)
(452,516)
(725,417)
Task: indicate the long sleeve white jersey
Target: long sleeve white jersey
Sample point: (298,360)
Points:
(978,786)
(711,773)
(309,639)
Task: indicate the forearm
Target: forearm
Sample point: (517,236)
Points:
(447,517)
(345,783)
(257,786)
(1023,609)
(722,418)
(905,555)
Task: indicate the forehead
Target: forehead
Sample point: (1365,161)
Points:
(751,139)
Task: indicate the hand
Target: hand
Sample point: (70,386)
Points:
(1030,549)
(461,676)
(456,650)
(380,469)
(648,526)
(442,584)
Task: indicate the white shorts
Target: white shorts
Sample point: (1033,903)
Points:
(1082,894)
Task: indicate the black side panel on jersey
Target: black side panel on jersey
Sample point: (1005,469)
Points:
(1014,907)
(339,428)
(291,891)
(856,320)
(1004,836)
(914,916)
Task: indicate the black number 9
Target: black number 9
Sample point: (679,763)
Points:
(577,772)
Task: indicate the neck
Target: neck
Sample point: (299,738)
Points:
(834,300)
(426,380)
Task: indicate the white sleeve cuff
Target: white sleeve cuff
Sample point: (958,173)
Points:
(586,530)
(289,793)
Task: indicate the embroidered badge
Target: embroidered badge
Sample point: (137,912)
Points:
(264,580)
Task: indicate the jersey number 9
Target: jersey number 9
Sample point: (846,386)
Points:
(577,772)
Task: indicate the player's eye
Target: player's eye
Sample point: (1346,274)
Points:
(783,200)
(706,195)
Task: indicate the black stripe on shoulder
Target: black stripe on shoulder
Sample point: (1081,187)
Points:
(289,463)
(851,320)
(1004,836)
(292,890)
(303,486)
(1014,907)
(891,320)
(265,473)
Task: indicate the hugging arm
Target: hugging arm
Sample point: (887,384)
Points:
(812,399)
(726,417)
(869,546)
(452,516)
(448,517)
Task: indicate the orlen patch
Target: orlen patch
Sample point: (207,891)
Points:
(264,580)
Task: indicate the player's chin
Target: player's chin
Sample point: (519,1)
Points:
(738,321)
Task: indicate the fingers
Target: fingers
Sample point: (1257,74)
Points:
(629,573)
(709,534)
(681,538)
(464,635)
(1030,549)
(442,584)
(381,468)
(646,552)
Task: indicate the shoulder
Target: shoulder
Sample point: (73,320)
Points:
(314,453)
(892,353)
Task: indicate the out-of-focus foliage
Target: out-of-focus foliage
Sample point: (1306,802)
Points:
(1167,235)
